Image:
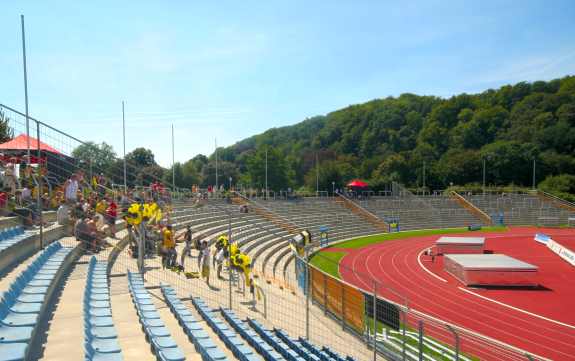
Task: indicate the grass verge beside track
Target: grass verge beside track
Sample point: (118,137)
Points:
(365,241)
(329,261)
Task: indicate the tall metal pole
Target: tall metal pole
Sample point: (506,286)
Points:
(420,339)
(173,162)
(266,173)
(216,143)
(316,176)
(424,177)
(230,260)
(374,321)
(124,141)
(39,199)
(534,185)
(307,293)
(483,176)
(25,91)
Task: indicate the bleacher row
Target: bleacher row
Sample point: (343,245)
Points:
(100,336)
(520,209)
(12,236)
(264,241)
(267,243)
(25,300)
(161,342)
(24,304)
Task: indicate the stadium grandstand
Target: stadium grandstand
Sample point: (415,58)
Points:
(82,281)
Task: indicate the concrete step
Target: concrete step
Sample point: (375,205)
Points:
(65,334)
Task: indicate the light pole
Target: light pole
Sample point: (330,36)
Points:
(333,188)
(26,92)
(216,145)
(484,176)
(316,176)
(423,177)
(266,194)
(173,162)
(124,142)
(534,183)
(230,183)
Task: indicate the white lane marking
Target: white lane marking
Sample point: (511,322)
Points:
(518,309)
(425,268)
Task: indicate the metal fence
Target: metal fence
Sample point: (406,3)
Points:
(401,332)
(370,323)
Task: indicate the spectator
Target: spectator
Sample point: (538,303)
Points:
(84,233)
(206,262)
(188,248)
(200,248)
(101,206)
(26,195)
(219,259)
(71,189)
(111,215)
(62,215)
(169,248)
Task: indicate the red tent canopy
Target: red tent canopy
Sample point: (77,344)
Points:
(358,184)
(20,143)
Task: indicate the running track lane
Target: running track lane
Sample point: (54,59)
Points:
(395,265)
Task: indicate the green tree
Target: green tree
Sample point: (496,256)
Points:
(338,172)
(140,157)
(99,158)
(562,186)
(225,171)
(277,174)
(6,133)
(149,174)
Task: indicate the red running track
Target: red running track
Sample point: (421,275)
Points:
(399,267)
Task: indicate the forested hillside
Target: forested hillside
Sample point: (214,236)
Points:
(390,139)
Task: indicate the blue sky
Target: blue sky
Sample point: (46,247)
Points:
(231,69)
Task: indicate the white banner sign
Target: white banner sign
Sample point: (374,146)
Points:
(542,238)
(563,252)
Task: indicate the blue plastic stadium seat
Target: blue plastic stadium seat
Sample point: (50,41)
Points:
(193,329)
(162,343)
(15,334)
(23,302)
(13,351)
(100,336)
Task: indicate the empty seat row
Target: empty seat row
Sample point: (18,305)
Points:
(228,336)
(162,343)
(12,235)
(309,351)
(324,354)
(192,327)
(295,345)
(23,305)
(252,337)
(275,342)
(100,336)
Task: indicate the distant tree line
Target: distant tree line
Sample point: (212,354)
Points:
(393,139)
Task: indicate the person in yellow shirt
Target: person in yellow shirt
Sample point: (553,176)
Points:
(169,253)
(101,207)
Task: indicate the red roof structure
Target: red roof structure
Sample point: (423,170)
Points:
(20,143)
(357,184)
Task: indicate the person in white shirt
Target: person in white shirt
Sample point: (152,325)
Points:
(71,189)
(26,194)
(206,262)
(62,216)
(219,261)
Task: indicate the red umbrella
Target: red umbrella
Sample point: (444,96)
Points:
(358,184)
